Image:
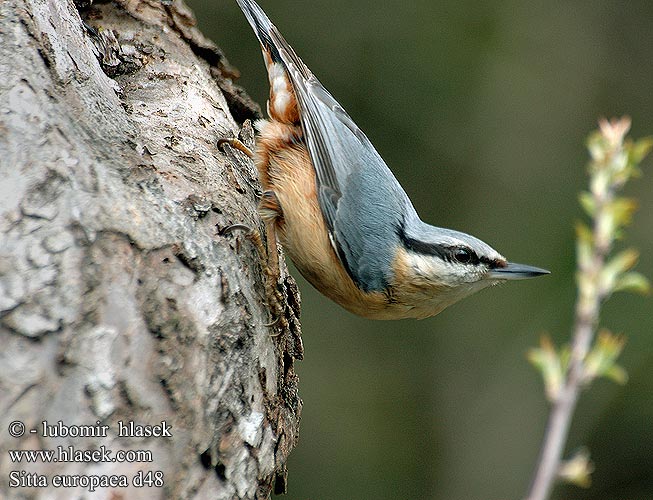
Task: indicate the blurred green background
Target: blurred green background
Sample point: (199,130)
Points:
(481,109)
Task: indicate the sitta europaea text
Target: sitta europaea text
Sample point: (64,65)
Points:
(341,215)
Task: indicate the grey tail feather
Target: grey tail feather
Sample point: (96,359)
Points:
(262,26)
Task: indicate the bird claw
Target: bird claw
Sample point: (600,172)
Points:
(236,144)
(272,323)
(230,229)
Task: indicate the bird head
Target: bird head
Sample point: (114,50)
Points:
(446,266)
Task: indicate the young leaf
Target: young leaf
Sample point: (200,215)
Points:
(601,360)
(551,366)
(633,282)
(578,469)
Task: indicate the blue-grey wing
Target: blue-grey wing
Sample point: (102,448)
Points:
(363,204)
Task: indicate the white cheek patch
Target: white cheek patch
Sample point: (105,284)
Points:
(430,268)
(442,273)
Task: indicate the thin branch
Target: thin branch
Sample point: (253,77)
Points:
(557,430)
(612,165)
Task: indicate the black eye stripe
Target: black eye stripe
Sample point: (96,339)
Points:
(447,253)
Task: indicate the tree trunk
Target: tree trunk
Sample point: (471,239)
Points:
(120,299)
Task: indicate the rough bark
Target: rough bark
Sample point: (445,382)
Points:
(120,300)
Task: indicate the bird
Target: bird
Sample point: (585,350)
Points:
(341,215)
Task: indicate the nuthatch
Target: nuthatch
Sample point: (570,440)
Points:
(341,215)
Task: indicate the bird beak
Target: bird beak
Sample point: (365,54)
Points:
(514,271)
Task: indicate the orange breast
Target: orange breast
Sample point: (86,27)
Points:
(285,168)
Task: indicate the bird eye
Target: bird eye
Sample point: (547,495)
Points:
(463,255)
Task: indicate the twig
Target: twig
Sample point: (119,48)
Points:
(611,167)
(587,315)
